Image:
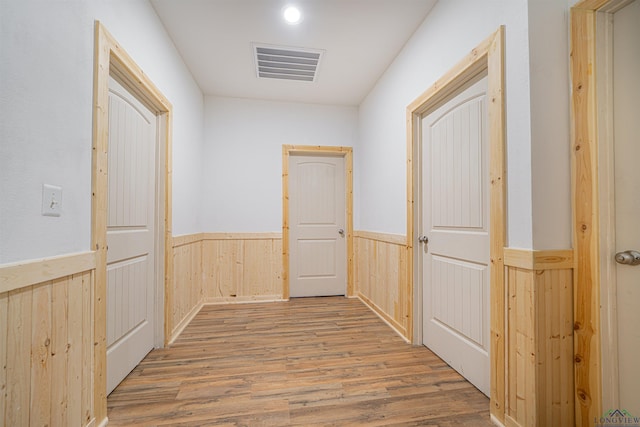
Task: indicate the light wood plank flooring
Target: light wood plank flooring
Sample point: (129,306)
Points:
(307,362)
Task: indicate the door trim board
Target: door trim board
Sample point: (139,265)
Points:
(595,342)
(347,153)
(487,57)
(110,59)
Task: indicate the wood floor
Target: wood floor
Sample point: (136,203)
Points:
(307,362)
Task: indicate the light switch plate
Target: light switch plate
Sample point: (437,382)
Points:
(51,200)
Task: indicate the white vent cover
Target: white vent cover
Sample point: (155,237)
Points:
(273,62)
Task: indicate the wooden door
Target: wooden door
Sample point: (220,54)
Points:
(130,233)
(317,217)
(455,220)
(626,128)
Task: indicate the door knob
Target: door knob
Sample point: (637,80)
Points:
(423,239)
(341,232)
(628,257)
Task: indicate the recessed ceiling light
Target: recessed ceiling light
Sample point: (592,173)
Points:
(292,15)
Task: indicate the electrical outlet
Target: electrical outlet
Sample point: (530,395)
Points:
(51,200)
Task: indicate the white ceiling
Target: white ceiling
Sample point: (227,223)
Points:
(360,39)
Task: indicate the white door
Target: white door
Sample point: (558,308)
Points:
(130,233)
(317,226)
(455,219)
(626,124)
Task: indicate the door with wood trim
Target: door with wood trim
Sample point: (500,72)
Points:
(131,232)
(455,248)
(317,218)
(626,141)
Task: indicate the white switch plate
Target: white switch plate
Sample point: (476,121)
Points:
(51,200)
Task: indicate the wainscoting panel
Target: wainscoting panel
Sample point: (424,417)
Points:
(242,267)
(187,283)
(381,277)
(540,338)
(216,268)
(46,343)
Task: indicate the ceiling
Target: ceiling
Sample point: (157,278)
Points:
(360,38)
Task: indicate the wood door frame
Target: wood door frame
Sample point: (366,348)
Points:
(487,57)
(110,59)
(594,291)
(347,153)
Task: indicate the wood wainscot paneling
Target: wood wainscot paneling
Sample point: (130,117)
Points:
(47,342)
(242,267)
(381,277)
(540,338)
(217,268)
(187,292)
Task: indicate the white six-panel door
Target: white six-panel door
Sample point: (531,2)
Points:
(130,233)
(317,215)
(455,219)
(626,123)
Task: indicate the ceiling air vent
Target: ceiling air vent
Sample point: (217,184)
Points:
(287,63)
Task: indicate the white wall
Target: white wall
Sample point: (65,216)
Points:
(550,133)
(46,60)
(242,158)
(449,32)
(46,81)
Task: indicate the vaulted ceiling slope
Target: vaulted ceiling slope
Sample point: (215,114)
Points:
(359,39)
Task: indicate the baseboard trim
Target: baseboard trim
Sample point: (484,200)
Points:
(184,322)
(386,318)
(243,300)
(510,422)
(496,421)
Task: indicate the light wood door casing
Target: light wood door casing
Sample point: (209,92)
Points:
(317,213)
(626,125)
(455,219)
(130,233)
